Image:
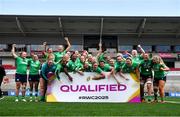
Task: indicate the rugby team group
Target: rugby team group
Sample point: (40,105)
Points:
(149,69)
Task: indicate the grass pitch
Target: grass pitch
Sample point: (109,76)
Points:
(8,107)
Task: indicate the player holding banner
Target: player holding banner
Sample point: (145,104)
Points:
(130,67)
(48,69)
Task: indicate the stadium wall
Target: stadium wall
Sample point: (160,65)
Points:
(177,64)
(148,41)
(8,61)
(78,39)
(39,40)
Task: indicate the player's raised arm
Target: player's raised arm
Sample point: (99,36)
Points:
(45,46)
(100,50)
(141,49)
(13,51)
(68,43)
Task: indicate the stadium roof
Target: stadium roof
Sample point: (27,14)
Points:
(22,25)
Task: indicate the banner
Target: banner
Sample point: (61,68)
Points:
(103,90)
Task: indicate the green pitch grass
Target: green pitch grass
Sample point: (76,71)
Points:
(10,108)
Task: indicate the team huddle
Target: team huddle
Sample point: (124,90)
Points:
(149,69)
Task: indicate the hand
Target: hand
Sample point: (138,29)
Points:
(118,83)
(58,77)
(66,38)
(105,52)
(100,44)
(127,79)
(14,45)
(44,43)
(81,73)
(70,78)
(88,78)
(139,46)
(32,53)
(109,75)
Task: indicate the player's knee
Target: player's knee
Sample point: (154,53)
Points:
(42,87)
(18,87)
(161,89)
(23,87)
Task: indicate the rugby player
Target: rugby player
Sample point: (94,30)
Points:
(21,73)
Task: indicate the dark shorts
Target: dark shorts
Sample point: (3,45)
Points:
(34,78)
(21,78)
(145,77)
(156,80)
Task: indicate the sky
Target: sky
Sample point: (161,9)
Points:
(91,7)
